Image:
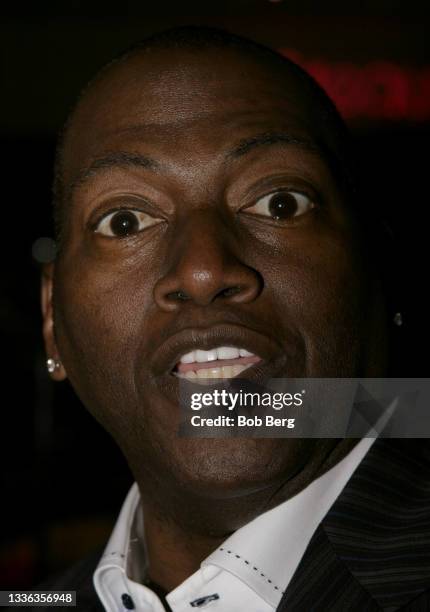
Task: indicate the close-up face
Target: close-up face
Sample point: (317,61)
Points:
(203,213)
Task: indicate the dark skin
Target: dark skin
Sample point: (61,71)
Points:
(209,265)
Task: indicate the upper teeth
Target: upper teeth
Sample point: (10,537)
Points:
(220,352)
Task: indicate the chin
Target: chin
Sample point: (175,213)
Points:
(224,468)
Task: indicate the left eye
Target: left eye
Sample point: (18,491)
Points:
(282,205)
(125,222)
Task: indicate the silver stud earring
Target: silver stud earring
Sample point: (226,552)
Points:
(52,365)
(398,319)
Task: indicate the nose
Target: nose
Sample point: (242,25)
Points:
(204,269)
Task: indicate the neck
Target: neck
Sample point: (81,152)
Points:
(173,554)
(180,532)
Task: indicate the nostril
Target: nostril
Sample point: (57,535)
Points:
(230,291)
(177,296)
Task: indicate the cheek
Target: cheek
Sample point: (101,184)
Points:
(318,287)
(99,321)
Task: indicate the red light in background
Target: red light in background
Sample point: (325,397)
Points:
(377,90)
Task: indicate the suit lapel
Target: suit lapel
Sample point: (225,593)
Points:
(323,583)
(371,551)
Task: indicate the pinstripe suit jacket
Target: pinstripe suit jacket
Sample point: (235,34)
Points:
(371,552)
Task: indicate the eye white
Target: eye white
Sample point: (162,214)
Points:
(296,204)
(141,221)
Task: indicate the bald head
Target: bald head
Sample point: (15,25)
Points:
(183,65)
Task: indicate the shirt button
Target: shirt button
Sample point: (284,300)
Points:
(127,601)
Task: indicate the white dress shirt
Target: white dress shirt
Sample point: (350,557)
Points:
(249,571)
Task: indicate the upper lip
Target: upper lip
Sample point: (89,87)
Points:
(168,354)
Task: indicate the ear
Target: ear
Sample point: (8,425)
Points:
(59,373)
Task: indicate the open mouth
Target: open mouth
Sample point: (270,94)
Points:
(218,362)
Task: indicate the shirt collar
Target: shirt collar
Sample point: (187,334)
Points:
(263,554)
(266,552)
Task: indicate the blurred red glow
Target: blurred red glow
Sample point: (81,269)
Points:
(377,90)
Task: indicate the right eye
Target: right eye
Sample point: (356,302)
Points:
(125,222)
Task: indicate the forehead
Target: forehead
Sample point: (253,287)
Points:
(186,100)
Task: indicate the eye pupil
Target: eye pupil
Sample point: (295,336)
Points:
(124,223)
(282,205)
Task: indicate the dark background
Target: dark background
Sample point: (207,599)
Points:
(62,478)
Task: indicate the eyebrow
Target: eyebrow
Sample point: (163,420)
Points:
(125,159)
(246,145)
(121,159)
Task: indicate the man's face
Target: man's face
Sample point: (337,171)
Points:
(203,214)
